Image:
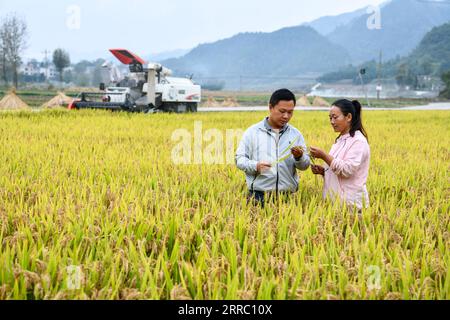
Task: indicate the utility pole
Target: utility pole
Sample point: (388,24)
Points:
(47,76)
(361,72)
(379,88)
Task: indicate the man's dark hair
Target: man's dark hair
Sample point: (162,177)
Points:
(281,95)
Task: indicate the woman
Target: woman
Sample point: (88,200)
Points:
(347,167)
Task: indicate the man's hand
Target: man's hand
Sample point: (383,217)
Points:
(297,152)
(317,169)
(263,166)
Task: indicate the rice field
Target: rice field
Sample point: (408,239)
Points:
(92,206)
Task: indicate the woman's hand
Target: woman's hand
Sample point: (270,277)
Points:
(316,169)
(320,154)
(317,153)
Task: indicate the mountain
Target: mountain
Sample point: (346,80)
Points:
(430,58)
(166,55)
(433,51)
(286,52)
(403,25)
(326,25)
(298,50)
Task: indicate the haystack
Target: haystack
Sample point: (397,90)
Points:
(12,102)
(303,101)
(211,102)
(60,100)
(230,102)
(320,102)
(235,103)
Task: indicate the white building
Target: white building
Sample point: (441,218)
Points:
(34,68)
(49,72)
(30,69)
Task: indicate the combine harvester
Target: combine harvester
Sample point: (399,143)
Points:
(148,88)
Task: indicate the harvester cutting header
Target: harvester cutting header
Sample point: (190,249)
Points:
(147,88)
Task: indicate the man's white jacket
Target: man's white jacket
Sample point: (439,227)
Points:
(259,143)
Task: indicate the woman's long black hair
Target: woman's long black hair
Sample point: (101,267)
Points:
(354,108)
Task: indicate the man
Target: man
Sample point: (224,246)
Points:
(271,151)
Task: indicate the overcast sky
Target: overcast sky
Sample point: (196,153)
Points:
(149,27)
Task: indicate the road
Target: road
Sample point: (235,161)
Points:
(431,106)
